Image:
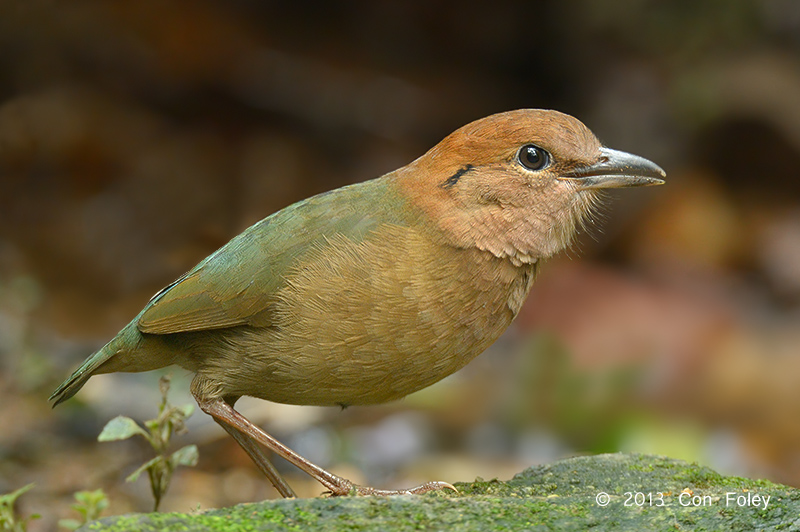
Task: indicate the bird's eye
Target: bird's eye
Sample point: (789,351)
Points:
(533,157)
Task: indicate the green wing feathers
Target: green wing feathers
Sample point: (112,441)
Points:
(238,284)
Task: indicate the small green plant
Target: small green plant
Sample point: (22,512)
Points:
(89,504)
(9,520)
(159,432)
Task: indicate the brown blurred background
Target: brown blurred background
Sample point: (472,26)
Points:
(138,137)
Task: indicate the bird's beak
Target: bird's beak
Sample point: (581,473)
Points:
(616,169)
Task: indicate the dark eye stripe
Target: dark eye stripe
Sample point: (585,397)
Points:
(453,179)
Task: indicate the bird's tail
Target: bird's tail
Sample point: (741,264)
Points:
(128,351)
(75,382)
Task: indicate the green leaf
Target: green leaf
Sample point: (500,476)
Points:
(187,410)
(87,497)
(69,524)
(10,498)
(142,468)
(90,504)
(185,456)
(120,428)
(81,509)
(95,500)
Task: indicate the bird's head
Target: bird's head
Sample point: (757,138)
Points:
(519,184)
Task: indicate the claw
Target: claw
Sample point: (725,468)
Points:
(352,489)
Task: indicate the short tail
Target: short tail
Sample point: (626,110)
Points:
(128,351)
(75,382)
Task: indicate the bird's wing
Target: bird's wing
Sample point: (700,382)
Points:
(237,284)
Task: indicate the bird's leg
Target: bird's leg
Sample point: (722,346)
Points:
(224,414)
(257,455)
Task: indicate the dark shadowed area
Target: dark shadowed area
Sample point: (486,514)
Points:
(138,137)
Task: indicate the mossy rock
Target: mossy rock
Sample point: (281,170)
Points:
(672,495)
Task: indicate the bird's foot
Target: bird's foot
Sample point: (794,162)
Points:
(249,436)
(345,487)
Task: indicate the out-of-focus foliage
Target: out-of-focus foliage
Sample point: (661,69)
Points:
(89,504)
(10,521)
(170,420)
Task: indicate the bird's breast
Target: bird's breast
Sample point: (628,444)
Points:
(372,321)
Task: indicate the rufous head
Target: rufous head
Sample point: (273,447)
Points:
(518,184)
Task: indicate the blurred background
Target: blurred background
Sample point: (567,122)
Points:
(138,137)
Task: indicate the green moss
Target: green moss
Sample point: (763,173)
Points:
(559,496)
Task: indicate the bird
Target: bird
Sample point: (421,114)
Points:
(370,292)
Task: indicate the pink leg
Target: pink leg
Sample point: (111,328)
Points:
(260,459)
(224,414)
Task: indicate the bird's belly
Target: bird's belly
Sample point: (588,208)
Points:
(371,322)
(369,370)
